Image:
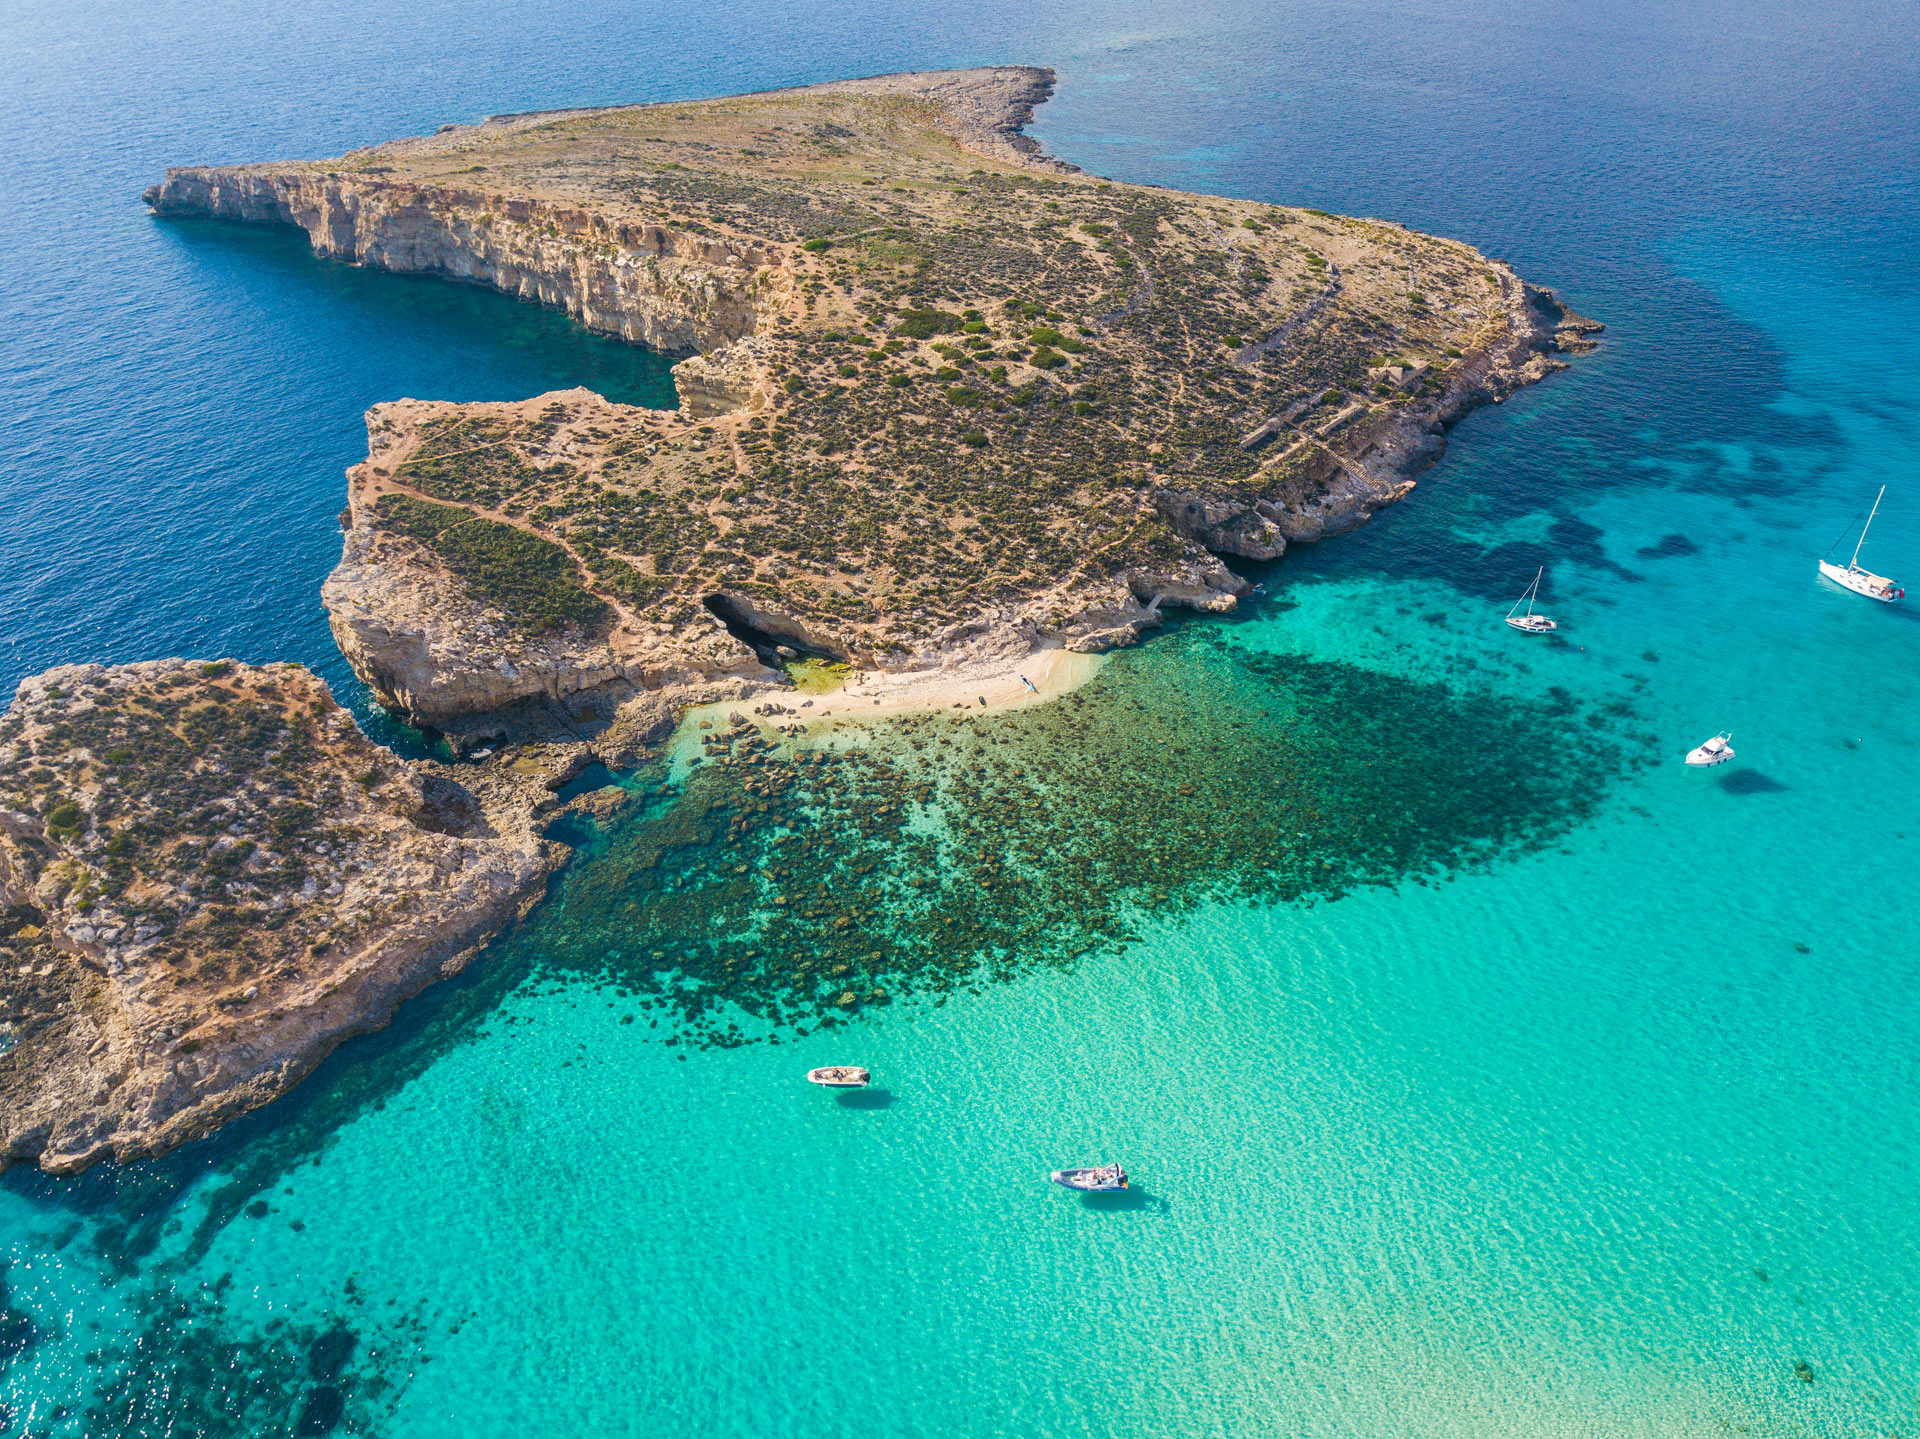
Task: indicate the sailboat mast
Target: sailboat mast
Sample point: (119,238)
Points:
(1854,563)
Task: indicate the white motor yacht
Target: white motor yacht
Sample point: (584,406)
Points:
(1717,750)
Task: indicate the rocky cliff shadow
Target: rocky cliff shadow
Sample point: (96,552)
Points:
(774,638)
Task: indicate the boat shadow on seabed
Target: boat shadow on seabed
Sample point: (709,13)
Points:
(1123,1200)
(865,1099)
(1751,781)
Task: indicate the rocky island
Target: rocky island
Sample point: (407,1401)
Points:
(945,400)
(210,878)
(949,409)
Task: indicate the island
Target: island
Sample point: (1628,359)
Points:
(951,412)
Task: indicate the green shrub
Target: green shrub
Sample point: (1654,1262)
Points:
(795,384)
(618,577)
(530,580)
(1046,359)
(900,382)
(975,438)
(1453,354)
(816,245)
(924,324)
(1044,335)
(65,819)
(1333,397)
(216,670)
(962,396)
(847,372)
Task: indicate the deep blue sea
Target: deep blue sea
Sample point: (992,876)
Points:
(1612,1133)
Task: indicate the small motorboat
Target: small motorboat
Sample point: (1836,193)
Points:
(1717,750)
(1101,1180)
(1530,623)
(838,1076)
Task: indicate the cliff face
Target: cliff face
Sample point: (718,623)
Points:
(645,283)
(208,879)
(947,396)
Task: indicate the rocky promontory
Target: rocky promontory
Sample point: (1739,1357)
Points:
(943,396)
(209,877)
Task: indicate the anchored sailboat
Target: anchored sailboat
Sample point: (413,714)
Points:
(1530,623)
(1863,582)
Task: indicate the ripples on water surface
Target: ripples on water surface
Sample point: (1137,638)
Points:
(1587,1109)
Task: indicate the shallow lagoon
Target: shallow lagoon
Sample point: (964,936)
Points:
(1598,1137)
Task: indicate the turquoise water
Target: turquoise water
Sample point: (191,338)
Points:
(1597,1127)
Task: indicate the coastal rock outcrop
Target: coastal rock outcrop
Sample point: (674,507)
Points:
(209,878)
(940,384)
(649,284)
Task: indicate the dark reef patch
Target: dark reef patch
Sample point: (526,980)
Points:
(1668,547)
(18,1332)
(792,884)
(191,1367)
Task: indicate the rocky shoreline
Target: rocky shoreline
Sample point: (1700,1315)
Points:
(953,414)
(209,878)
(818,309)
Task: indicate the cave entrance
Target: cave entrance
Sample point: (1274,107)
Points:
(779,646)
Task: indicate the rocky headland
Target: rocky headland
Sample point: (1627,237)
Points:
(209,877)
(944,398)
(950,409)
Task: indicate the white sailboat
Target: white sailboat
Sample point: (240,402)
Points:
(1530,623)
(1864,582)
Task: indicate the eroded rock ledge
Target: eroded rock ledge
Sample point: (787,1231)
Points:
(947,396)
(209,878)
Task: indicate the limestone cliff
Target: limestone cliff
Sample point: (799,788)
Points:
(946,394)
(208,879)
